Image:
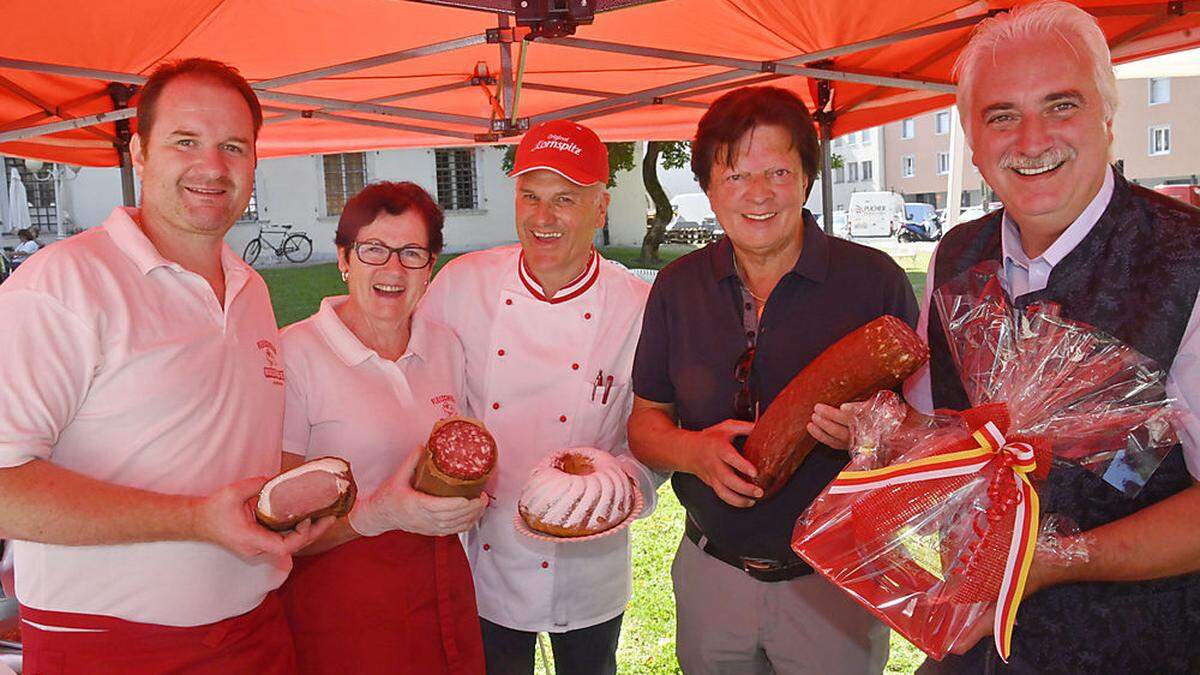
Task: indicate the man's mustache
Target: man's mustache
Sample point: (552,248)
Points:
(1051,157)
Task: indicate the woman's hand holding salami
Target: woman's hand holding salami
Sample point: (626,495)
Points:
(397,506)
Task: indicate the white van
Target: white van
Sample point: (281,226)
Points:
(875,214)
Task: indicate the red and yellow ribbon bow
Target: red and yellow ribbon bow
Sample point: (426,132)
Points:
(987,445)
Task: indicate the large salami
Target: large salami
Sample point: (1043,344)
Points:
(876,356)
(459,457)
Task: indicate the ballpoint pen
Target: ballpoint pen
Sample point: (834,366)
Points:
(597,384)
(607,388)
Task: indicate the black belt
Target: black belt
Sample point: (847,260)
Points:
(762,569)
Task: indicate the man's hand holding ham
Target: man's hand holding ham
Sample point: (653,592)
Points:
(226,518)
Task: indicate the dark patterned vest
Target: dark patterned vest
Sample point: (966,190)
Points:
(1135,276)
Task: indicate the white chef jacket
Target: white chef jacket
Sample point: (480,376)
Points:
(345,400)
(123,366)
(532,366)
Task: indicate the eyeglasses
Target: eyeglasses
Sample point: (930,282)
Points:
(745,404)
(412,256)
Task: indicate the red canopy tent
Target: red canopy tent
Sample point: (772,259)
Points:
(372,74)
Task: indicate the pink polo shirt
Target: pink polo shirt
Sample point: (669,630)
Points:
(122,366)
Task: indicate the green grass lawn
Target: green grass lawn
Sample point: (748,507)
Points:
(648,635)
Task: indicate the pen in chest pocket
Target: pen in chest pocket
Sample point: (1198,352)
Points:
(597,384)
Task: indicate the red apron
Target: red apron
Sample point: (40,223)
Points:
(255,642)
(395,603)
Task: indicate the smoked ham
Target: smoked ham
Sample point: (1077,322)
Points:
(878,355)
(318,488)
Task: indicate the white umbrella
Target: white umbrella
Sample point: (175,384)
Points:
(5,228)
(18,204)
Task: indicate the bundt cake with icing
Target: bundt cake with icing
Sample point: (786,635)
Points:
(576,492)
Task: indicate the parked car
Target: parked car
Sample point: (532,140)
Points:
(693,221)
(875,214)
(920,223)
(971,213)
(841,227)
(1188,194)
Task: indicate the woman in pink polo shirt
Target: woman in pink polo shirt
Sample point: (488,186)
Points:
(388,588)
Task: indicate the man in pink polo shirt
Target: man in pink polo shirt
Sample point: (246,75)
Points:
(142,408)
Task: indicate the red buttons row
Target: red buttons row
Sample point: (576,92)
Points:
(500,353)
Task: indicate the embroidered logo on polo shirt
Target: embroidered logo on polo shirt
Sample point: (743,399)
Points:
(447,404)
(271,371)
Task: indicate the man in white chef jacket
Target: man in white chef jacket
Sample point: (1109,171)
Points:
(549,328)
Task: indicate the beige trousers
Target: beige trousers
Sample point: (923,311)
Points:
(729,623)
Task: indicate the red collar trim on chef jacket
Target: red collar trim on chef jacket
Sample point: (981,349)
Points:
(572,290)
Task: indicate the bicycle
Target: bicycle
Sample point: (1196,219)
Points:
(296,246)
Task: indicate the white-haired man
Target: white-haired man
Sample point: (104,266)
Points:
(1037,97)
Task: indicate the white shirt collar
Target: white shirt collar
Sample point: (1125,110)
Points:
(1010,237)
(124,229)
(346,344)
(574,289)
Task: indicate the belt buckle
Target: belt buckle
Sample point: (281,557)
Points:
(760,565)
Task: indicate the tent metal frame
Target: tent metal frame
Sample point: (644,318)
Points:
(816,65)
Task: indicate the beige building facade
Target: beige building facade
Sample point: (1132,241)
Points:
(917,156)
(1157,130)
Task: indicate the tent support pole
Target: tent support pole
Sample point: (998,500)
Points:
(825,117)
(506,68)
(120,95)
(750,66)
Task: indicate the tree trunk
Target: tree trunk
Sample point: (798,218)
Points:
(662,206)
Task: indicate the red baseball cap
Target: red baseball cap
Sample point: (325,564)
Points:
(566,148)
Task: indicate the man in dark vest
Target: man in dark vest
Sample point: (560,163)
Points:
(1037,95)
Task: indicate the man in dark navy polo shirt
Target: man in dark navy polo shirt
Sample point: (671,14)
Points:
(725,329)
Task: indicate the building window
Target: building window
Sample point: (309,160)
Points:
(943,163)
(908,128)
(345,175)
(941,122)
(250,215)
(866,169)
(852,167)
(852,139)
(39,192)
(1160,90)
(837,142)
(839,174)
(457,182)
(1160,140)
(908,166)
(866,137)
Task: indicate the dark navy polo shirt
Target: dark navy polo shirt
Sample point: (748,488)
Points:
(692,336)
